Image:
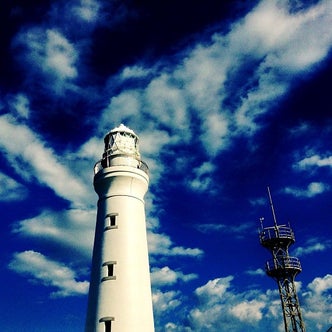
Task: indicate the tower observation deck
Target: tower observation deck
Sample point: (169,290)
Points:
(283,269)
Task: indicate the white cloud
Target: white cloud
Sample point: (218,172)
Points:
(60,55)
(214,290)
(161,244)
(171,327)
(31,159)
(20,105)
(313,189)
(215,133)
(166,276)
(92,149)
(167,103)
(151,143)
(72,231)
(262,34)
(135,72)
(260,201)
(312,246)
(248,311)
(220,307)
(11,190)
(163,302)
(203,320)
(318,304)
(191,94)
(201,75)
(321,285)
(290,40)
(197,85)
(257,272)
(202,177)
(87,10)
(121,108)
(210,228)
(49,273)
(314,161)
(223,228)
(49,54)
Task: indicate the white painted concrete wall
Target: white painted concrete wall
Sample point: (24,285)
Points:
(127,298)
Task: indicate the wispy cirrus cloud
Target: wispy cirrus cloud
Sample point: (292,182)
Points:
(223,228)
(311,246)
(313,189)
(11,190)
(197,90)
(165,276)
(314,161)
(202,176)
(86,10)
(19,105)
(183,102)
(257,272)
(69,230)
(38,267)
(49,55)
(23,147)
(161,244)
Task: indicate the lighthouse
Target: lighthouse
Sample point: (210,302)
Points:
(120,288)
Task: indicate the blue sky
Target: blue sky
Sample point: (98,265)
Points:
(226,98)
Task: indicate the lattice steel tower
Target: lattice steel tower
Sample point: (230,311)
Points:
(283,269)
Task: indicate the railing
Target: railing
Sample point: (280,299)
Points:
(283,263)
(124,160)
(277,232)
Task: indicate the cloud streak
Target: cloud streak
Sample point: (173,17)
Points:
(166,276)
(313,189)
(11,190)
(189,109)
(48,273)
(33,161)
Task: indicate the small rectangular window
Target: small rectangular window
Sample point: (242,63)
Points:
(108,271)
(111,221)
(108,323)
(108,326)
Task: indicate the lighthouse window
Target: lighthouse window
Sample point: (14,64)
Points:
(108,323)
(111,221)
(110,270)
(108,326)
(109,267)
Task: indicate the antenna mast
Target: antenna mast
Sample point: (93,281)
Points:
(283,269)
(272,208)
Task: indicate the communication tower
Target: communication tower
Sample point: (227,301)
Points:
(283,269)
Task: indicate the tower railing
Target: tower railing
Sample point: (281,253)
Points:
(106,161)
(283,264)
(277,232)
(283,268)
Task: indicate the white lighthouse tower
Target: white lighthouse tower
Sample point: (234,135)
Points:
(120,289)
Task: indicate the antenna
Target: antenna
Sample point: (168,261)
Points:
(283,268)
(272,208)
